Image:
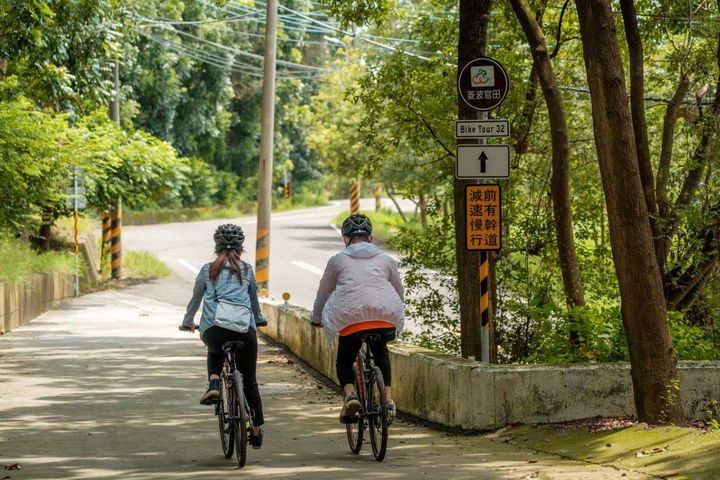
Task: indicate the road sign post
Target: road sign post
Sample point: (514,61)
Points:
(482,85)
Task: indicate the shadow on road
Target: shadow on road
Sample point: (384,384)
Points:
(106,387)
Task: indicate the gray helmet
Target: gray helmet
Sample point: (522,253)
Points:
(357,225)
(228,236)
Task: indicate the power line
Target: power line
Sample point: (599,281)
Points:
(244,53)
(224,63)
(355,35)
(195,22)
(149,22)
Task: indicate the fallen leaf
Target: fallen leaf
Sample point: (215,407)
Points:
(608,445)
(13,466)
(532,461)
(532,475)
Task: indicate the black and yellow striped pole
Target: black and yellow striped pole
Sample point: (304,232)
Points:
(105,246)
(484,307)
(378,200)
(354,196)
(115,241)
(262,259)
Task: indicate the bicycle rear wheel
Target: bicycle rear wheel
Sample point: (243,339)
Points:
(227,432)
(377,415)
(355,430)
(241,436)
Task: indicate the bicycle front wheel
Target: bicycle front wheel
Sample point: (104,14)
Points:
(227,432)
(241,429)
(378,415)
(355,430)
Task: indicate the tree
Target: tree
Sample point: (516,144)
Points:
(560,183)
(653,361)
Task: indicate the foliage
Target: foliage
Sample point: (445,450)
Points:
(61,49)
(18,261)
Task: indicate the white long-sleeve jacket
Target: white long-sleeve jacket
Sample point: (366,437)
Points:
(359,284)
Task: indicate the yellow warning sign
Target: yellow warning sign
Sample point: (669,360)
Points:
(482,217)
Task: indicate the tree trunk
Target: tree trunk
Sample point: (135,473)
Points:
(652,358)
(44,236)
(422,206)
(662,241)
(560,182)
(637,109)
(474,16)
(397,205)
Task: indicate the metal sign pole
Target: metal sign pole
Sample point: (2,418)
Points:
(75,231)
(484,291)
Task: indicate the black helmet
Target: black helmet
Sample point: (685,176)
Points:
(357,225)
(228,236)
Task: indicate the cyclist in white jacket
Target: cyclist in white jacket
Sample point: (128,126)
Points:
(360,291)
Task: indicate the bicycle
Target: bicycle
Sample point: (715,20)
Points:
(370,388)
(235,418)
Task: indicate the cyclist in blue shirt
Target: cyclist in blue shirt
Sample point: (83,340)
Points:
(231,279)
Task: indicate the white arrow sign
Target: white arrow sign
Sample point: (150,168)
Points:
(482,161)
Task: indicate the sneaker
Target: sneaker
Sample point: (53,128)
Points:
(392,410)
(212,394)
(261,322)
(256,441)
(350,408)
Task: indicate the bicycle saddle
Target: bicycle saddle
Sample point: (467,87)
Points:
(370,337)
(233,345)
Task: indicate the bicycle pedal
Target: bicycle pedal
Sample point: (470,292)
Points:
(350,419)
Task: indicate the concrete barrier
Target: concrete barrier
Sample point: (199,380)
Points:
(457,392)
(21,302)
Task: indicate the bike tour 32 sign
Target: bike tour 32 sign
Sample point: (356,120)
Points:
(483,84)
(482,217)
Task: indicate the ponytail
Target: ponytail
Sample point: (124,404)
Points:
(232,259)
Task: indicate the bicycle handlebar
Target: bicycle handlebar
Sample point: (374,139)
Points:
(192,329)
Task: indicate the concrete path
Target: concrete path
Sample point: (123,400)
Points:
(106,387)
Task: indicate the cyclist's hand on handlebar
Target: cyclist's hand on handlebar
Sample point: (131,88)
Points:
(317,325)
(186,328)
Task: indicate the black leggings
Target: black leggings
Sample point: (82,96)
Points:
(348,348)
(246,360)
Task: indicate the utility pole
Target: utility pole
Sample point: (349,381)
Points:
(474,16)
(262,244)
(116,216)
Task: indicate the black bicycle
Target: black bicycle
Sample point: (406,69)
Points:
(370,389)
(235,418)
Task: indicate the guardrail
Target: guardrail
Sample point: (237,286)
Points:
(458,392)
(21,302)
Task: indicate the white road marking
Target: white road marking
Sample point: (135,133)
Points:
(308,267)
(188,265)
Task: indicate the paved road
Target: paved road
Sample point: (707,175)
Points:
(302,241)
(106,387)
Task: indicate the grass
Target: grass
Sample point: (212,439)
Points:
(666,452)
(18,261)
(140,265)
